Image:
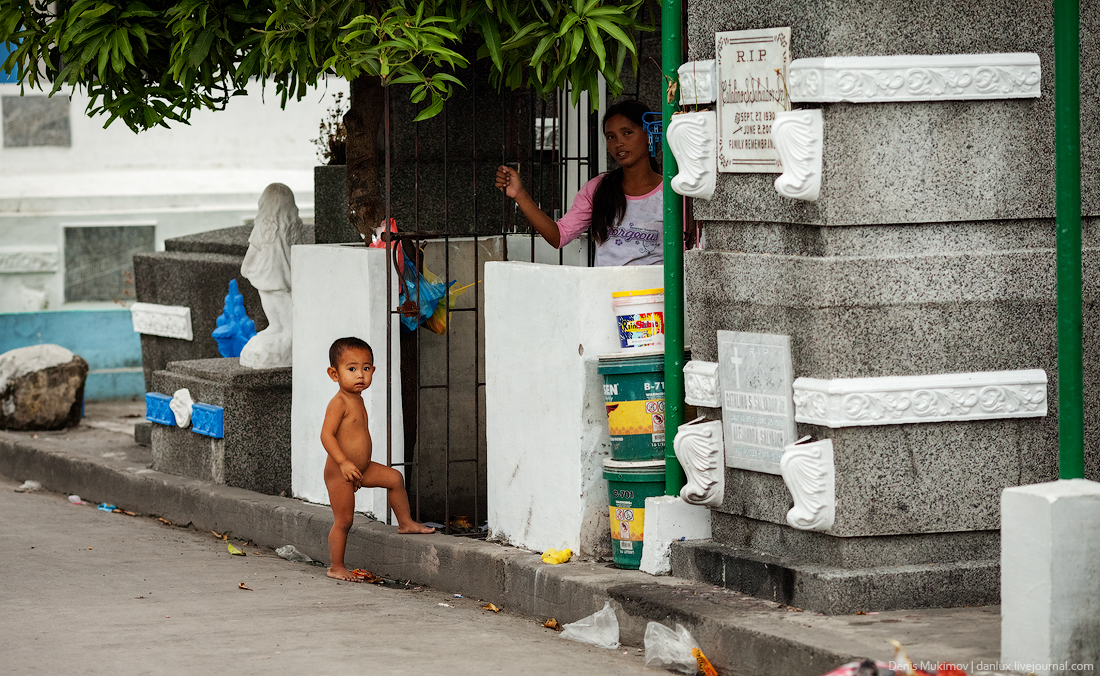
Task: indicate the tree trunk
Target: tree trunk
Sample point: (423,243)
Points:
(366,206)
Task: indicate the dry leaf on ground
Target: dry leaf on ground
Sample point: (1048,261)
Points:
(490,606)
(240,585)
(166,522)
(552,624)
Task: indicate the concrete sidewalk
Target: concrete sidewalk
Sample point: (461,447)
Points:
(742,635)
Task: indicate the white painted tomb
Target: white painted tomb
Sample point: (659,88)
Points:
(1050,577)
(325,277)
(546,422)
(668,519)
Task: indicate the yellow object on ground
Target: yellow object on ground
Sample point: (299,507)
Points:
(233,550)
(554,557)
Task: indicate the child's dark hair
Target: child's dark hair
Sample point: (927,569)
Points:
(609,201)
(341,345)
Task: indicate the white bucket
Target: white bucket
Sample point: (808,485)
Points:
(640,316)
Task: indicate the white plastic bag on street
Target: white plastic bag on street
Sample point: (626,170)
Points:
(670,649)
(600,629)
(291,553)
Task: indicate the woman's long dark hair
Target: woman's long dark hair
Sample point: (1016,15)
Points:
(609,202)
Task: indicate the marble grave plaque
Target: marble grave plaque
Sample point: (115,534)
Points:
(752,68)
(757,398)
(99,260)
(36,121)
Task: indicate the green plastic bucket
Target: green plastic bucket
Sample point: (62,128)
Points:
(628,485)
(634,392)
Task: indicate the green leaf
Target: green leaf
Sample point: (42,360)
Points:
(617,33)
(544,45)
(122,38)
(567,24)
(98,11)
(408,79)
(432,110)
(104,55)
(596,43)
(576,42)
(491,34)
(201,48)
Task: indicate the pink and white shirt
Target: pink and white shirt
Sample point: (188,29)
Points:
(637,240)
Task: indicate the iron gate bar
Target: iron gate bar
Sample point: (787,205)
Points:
(416,391)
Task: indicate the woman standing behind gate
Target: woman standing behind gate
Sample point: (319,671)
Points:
(623,210)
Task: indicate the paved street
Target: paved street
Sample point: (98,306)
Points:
(88,592)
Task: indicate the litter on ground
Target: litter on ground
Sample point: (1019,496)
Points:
(233,550)
(367,576)
(600,629)
(554,556)
(291,553)
(29,486)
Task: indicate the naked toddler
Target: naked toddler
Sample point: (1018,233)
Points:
(349,466)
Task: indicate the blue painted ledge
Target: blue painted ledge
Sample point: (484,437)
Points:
(105,338)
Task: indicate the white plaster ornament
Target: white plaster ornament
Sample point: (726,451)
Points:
(895,400)
(29,259)
(799,138)
(810,476)
(698,82)
(170,321)
(693,139)
(181,406)
(700,450)
(267,266)
(701,387)
(941,77)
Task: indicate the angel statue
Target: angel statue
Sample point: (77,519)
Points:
(267,266)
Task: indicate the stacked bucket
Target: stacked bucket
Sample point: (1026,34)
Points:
(634,392)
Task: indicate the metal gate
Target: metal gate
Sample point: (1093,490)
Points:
(451,220)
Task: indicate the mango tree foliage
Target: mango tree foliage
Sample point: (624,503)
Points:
(149,63)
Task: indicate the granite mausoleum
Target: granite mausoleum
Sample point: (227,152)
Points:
(930,252)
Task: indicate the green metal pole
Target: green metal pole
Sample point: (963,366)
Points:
(1067,155)
(671,55)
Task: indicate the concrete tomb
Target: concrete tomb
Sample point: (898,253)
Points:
(929,254)
(254,449)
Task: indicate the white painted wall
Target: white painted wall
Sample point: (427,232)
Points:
(339,291)
(187,179)
(546,435)
(1050,577)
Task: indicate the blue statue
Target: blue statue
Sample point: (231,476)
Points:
(235,329)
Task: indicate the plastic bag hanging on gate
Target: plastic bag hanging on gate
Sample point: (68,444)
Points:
(441,318)
(415,286)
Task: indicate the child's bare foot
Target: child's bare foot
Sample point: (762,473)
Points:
(415,528)
(341,573)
